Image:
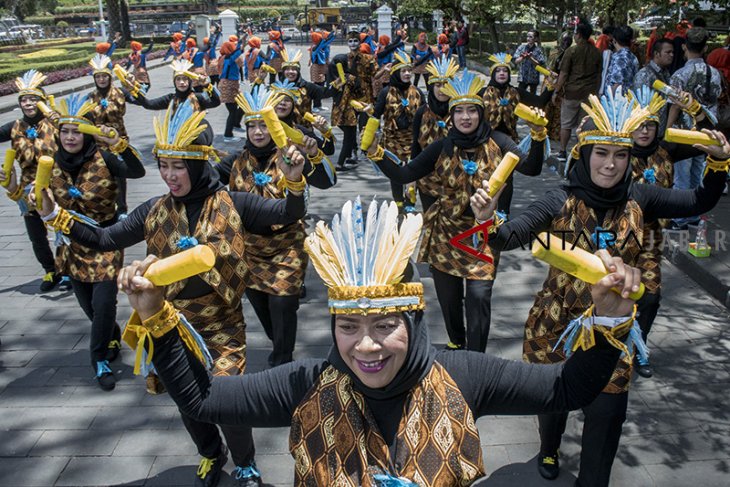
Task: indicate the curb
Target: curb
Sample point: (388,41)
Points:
(688,264)
(67,91)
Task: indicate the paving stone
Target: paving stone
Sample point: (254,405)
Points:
(162,443)
(46,418)
(134,418)
(76,443)
(83,471)
(18,443)
(31,472)
(711,473)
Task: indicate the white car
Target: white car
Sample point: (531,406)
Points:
(290,32)
(652,21)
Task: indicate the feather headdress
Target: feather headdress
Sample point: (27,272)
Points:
(464,89)
(615,117)
(176,132)
(500,59)
(362,262)
(290,59)
(74,108)
(441,70)
(402,60)
(181,67)
(101,63)
(255,102)
(650,99)
(287,88)
(30,84)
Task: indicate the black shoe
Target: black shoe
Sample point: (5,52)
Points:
(548,466)
(209,469)
(342,167)
(644,370)
(303,292)
(247,476)
(562,156)
(50,281)
(65,284)
(352,162)
(105,376)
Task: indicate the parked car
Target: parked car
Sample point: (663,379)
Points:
(652,21)
(291,32)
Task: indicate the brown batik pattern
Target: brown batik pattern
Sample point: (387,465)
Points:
(99,202)
(651,256)
(564,297)
(399,141)
(498,113)
(335,440)
(445,219)
(318,73)
(277,262)
(113,114)
(342,113)
(428,133)
(27,150)
(305,105)
(219,227)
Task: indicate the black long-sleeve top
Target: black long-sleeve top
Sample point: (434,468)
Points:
(656,202)
(424,164)
(127,165)
(161,103)
(316,176)
(6,130)
(490,385)
(257,215)
(417,121)
(379,107)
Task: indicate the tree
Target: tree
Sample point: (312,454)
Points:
(118,13)
(210,6)
(25,8)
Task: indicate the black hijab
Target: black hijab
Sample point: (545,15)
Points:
(500,86)
(33,120)
(582,186)
(182,95)
(204,180)
(72,163)
(648,151)
(475,139)
(440,108)
(261,154)
(397,82)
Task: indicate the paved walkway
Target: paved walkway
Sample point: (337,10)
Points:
(57,428)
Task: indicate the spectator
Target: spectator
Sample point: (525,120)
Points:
(720,59)
(623,65)
(462,40)
(527,75)
(579,77)
(704,83)
(678,38)
(662,56)
(605,40)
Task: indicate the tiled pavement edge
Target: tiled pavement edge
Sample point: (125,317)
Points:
(58,428)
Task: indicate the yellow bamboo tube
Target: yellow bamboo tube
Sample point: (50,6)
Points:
(45,109)
(341,72)
(368,135)
(94,130)
(8,166)
(574,261)
(309,117)
(528,114)
(665,89)
(542,70)
(295,135)
(689,137)
(268,69)
(274,125)
(357,105)
(42,178)
(187,263)
(502,173)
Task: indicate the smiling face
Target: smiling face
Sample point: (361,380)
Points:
(374,347)
(466,118)
(291,73)
(258,133)
(175,174)
(71,139)
(284,107)
(645,134)
(608,165)
(28,105)
(501,75)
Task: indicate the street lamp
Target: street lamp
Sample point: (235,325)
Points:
(101,20)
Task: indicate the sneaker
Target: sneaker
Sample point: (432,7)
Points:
(153,385)
(122,216)
(247,476)
(50,281)
(112,352)
(323,109)
(453,346)
(548,466)
(209,469)
(352,162)
(644,370)
(562,156)
(105,376)
(316,110)
(231,139)
(65,284)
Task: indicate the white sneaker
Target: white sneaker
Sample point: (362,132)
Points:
(231,139)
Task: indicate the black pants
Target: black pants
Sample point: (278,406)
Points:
(396,189)
(38,236)
(214,78)
(604,419)
(417,78)
(278,316)
(272,78)
(648,307)
(207,440)
(317,101)
(477,305)
(99,302)
(233,119)
(531,88)
(349,143)
(122,195)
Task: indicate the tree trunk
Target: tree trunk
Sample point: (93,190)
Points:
(493,34)
(124,21)
(112,11)
(210,6)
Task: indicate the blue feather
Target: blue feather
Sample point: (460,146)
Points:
(358,226)
(181,115)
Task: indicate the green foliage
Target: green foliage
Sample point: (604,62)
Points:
(40,19)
